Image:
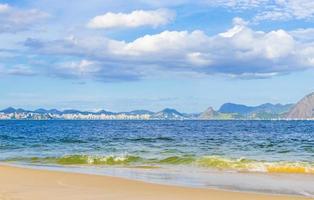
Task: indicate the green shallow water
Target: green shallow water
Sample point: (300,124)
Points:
(210,162)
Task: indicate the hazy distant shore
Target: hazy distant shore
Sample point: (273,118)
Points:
(304,109)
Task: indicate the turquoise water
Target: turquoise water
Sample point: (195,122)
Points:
(152,149)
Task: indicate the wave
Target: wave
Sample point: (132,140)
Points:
(246,165)
(210,162)
(179,160)
(81,160)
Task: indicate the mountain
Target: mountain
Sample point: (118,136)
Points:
(210,113)
(267,108)
(11,110)
(235,108)
(273,108)
(8,110)
(168,114)
(304,109)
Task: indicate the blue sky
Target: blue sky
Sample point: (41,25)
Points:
(123,55)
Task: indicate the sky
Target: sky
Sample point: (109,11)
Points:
(123,55)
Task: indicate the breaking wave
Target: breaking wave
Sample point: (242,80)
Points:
(211,162)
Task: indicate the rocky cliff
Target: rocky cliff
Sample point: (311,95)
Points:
(304,109)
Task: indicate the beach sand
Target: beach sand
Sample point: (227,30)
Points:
(32,184)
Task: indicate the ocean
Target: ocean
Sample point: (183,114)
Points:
(260,156)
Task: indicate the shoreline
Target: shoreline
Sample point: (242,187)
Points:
(32,184)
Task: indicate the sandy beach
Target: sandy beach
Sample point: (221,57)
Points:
(32,184)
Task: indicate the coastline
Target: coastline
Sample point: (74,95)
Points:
(36,184)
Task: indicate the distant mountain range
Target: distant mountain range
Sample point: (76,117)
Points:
(304,109)
(247,110)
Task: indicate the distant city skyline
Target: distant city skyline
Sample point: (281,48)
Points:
(126,55)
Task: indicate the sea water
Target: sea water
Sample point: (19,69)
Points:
(259,156)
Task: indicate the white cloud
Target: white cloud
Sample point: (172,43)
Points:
(167,43)
(136,18)
(238,25)
(239,44)
(78,68)
(238,52)
(13,19)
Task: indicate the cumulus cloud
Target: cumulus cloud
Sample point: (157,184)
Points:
(238,52)
(14,20)
(134,19)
